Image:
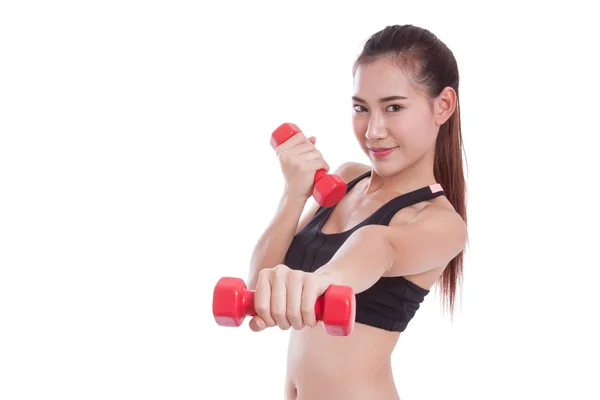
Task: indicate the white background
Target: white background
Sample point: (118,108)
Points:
(136,170)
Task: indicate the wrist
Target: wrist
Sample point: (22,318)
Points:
(294,198)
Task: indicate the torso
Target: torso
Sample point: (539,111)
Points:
(324,367)
(357,366)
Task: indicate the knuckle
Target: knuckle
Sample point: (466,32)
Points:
(286,160)
(292,313)
(276,313)
(296,275)
(280,270)
(297,324)
(264,274)
(261,309)
(307,310)
(311,279)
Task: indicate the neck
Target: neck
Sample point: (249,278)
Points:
(415,176)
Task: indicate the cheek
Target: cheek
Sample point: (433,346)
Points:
(422,128)
(360,126)
(416,133)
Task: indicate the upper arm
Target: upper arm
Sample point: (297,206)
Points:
(347,171)
(430,241)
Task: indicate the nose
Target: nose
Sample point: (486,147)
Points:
(376,129)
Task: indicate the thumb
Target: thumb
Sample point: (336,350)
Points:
(312,139)
(257,324)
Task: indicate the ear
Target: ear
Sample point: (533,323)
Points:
(444,105)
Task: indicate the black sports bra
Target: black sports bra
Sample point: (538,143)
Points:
(391,302)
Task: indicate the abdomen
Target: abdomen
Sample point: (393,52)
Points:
(331,367)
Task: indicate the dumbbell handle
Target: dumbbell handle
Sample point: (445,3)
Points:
(247,305)
(233,301)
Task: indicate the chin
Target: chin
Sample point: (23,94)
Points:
(390,167)
(386,170)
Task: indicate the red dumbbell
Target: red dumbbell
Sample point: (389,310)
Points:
(232,302)
(328,189)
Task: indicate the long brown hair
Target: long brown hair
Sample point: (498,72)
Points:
(432,67)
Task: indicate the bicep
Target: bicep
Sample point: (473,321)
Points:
(430,241)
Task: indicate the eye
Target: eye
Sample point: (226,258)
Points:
(359,108)
(394,108)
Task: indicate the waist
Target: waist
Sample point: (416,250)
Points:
(330,366)
(321,389)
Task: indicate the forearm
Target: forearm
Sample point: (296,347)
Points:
(364,258)
(273,244)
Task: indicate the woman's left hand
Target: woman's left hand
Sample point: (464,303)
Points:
(286,298)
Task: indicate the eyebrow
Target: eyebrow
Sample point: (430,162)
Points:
(382,100)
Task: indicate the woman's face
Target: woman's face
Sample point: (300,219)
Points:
(394,123)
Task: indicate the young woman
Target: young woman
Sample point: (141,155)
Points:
(400,229)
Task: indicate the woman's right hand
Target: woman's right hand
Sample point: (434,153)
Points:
(300,160)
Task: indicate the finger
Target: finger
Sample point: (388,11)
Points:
(316,164)
(310,292)
(295,285)
(292,154)
(257,324)
(295,140)
(279,298)
(301,148)
(309,161)
(309,155)
(262,298)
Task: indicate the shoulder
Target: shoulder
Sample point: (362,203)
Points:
(423,245)
(439,227)
(351,170)
(437,215)
(443,216)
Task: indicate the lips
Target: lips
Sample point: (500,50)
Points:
(382,152)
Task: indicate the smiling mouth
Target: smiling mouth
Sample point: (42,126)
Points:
(382,152)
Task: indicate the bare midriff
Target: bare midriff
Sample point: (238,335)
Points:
(351,367)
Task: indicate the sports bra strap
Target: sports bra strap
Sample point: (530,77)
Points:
(354,181)
(408,199)
(385,213)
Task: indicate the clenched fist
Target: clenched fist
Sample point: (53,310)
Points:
(286,298)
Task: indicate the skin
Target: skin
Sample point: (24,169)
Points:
(418,243)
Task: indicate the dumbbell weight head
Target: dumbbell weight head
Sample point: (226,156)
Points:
(283,133)
(337,311)
(328,189)
(232,302)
